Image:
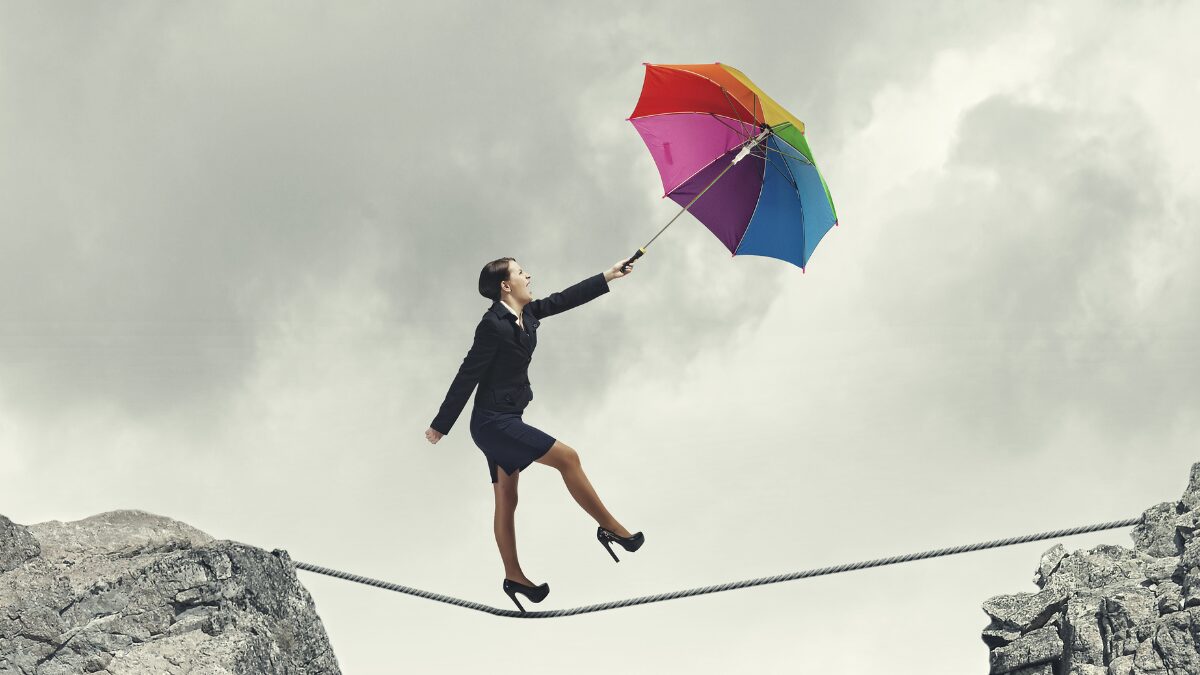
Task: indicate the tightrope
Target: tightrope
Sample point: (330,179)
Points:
(645,599)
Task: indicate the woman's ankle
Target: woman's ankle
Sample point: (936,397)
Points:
(618,530)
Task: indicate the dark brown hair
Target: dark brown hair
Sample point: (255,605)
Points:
(490,277)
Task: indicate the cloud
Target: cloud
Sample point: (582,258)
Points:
(179,177)
(1014,280)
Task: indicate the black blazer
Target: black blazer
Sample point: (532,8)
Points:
(498,360)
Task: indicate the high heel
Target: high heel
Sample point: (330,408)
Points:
(534,593)
(631,543)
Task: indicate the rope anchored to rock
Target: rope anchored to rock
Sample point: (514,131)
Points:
(645,599)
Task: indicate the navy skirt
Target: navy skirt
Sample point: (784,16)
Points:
(507,441)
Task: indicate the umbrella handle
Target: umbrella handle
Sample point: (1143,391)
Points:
(637,255)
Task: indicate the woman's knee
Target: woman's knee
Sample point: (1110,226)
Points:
(506,500)
(561,456)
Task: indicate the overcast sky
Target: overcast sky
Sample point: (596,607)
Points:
(239,244)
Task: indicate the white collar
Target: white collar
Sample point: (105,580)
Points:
(509,308)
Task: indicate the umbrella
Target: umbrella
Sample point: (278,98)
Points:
(735,159)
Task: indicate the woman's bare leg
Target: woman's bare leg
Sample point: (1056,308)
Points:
(505,488)
(566,460)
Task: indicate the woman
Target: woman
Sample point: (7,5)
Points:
(498,363)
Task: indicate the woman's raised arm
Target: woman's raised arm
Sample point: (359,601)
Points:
(574,296)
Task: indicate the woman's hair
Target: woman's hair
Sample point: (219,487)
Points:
(490,277)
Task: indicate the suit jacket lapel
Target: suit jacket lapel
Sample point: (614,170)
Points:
(523,337)
(519,336)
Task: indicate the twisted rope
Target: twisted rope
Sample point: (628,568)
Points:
(846,567)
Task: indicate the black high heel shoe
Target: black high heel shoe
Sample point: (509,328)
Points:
(534,593)
(631,543)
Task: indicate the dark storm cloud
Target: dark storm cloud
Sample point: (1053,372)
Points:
(173,174)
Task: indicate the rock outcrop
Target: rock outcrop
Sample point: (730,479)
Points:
(1109,610)
(130,592)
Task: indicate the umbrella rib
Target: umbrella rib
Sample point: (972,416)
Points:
(799,200)
(699,170)
(741,133)
(786,177)
(757,139)
(746,143)
(732,107)
(801,157)
(689,204)
(791,179)
(686,112)
(791,175)
(794,181)
(755,211)
(798,158)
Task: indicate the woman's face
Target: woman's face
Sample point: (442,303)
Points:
(518,283)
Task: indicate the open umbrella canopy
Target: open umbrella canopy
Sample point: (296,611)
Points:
(698,121)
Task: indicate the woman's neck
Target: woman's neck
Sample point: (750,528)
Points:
(511,302)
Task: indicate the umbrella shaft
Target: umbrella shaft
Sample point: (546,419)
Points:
(740,155)
(689,204)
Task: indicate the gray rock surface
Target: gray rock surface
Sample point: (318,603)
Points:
(1109,610)
(16,545)
(130,592)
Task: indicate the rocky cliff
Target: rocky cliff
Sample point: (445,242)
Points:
(130,592)
(1109,610)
